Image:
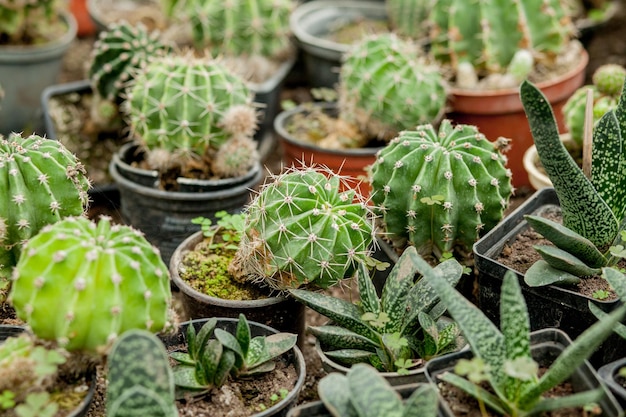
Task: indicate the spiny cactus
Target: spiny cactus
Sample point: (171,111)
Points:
(22,19)
(306,226)
(118,53)
(488,35)
(409,17)
(41,182)
(438,189)
(109,278)
(233,158)
(607,85)
(385,87)
(187,107)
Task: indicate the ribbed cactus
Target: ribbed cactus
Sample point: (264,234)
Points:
(82,283)
(189,107)
(41,182)
(305,226)
(607,85)
(241,27)
(118,53)
(488,35)
(385,87)
(20,19)
(438,190)
(409,17)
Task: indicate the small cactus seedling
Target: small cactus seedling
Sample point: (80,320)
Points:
(386,87)
(140,379)
(439,189)
(41,182)
(109,277)
(304,228)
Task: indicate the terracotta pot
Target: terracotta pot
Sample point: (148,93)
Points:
(500,113)
(86,26)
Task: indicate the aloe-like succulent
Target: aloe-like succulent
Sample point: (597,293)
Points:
(305,226)
(110,278)
(593,208)
(505,355)
(209,361)
(363,392)
(140,379)
(386,86)
(41,182)
(394,332)
(439,190)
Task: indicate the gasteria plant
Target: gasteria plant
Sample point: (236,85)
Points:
(305,226)
(593,208)
(109,277)
(394,331)
(438,190)
(363,392)
(41,182)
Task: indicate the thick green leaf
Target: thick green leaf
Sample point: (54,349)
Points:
(424,402)
(336,337)
(203,335)
(617,280)
(541,273)
(367,292)
(397,288)
(257,353)
(224,367)
(182,358)
(371,394)
(349,356)
(185,377)
(600,314)
(335,394)
(261,368)
(579,399)
(476,391)
(279,343)
(192,346)
(242,334)
(139,400)
(208,362)
(429,325)
(230,342)
(564,261)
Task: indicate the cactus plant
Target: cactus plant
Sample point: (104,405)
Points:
(110,278)
(409,17)
(386,87)
(305,226)
(390,332)
(27,21)
(439,189)
(607,85)
(140,379)
(182,107)
(41,182)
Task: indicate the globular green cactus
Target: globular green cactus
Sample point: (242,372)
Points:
(117,54)
(41,182)
(488,35)
(607,85)
(409,17)
(439,189)
(385,87)
(306,226)
(109,278)
(23,19)
(182,106)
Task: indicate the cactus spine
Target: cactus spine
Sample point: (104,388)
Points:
(41,182)
(303,228)
(109,278)
(439,189)
(385,87)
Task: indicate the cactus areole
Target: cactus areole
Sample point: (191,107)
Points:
(82,283)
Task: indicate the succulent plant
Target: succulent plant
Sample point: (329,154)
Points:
(186,107)
(439,189)
(392,332)
(593,208)
(607,85)
(41,182)
(27,20)
(409,17)
(477,36)
(305,226)
(119,52)
(363,392)
(385,87)
(140,379)
(209,361)
(110,278)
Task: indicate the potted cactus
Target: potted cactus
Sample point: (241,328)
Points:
(34,37)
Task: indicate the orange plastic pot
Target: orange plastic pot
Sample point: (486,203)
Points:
(86,26)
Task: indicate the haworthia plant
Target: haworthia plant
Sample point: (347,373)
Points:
(139,376)
(510,369)
(394,332)
(363,392)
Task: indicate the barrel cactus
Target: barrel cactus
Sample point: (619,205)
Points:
(181,107)
(438,190)
(607,85)
(409,17)
(385,87)
(41,182)
(109,278)
(306,226)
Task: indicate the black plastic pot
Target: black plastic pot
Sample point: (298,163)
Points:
(294,356)
(282,313)
(609,373)
(548,306)
(165,216)
(546,346)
